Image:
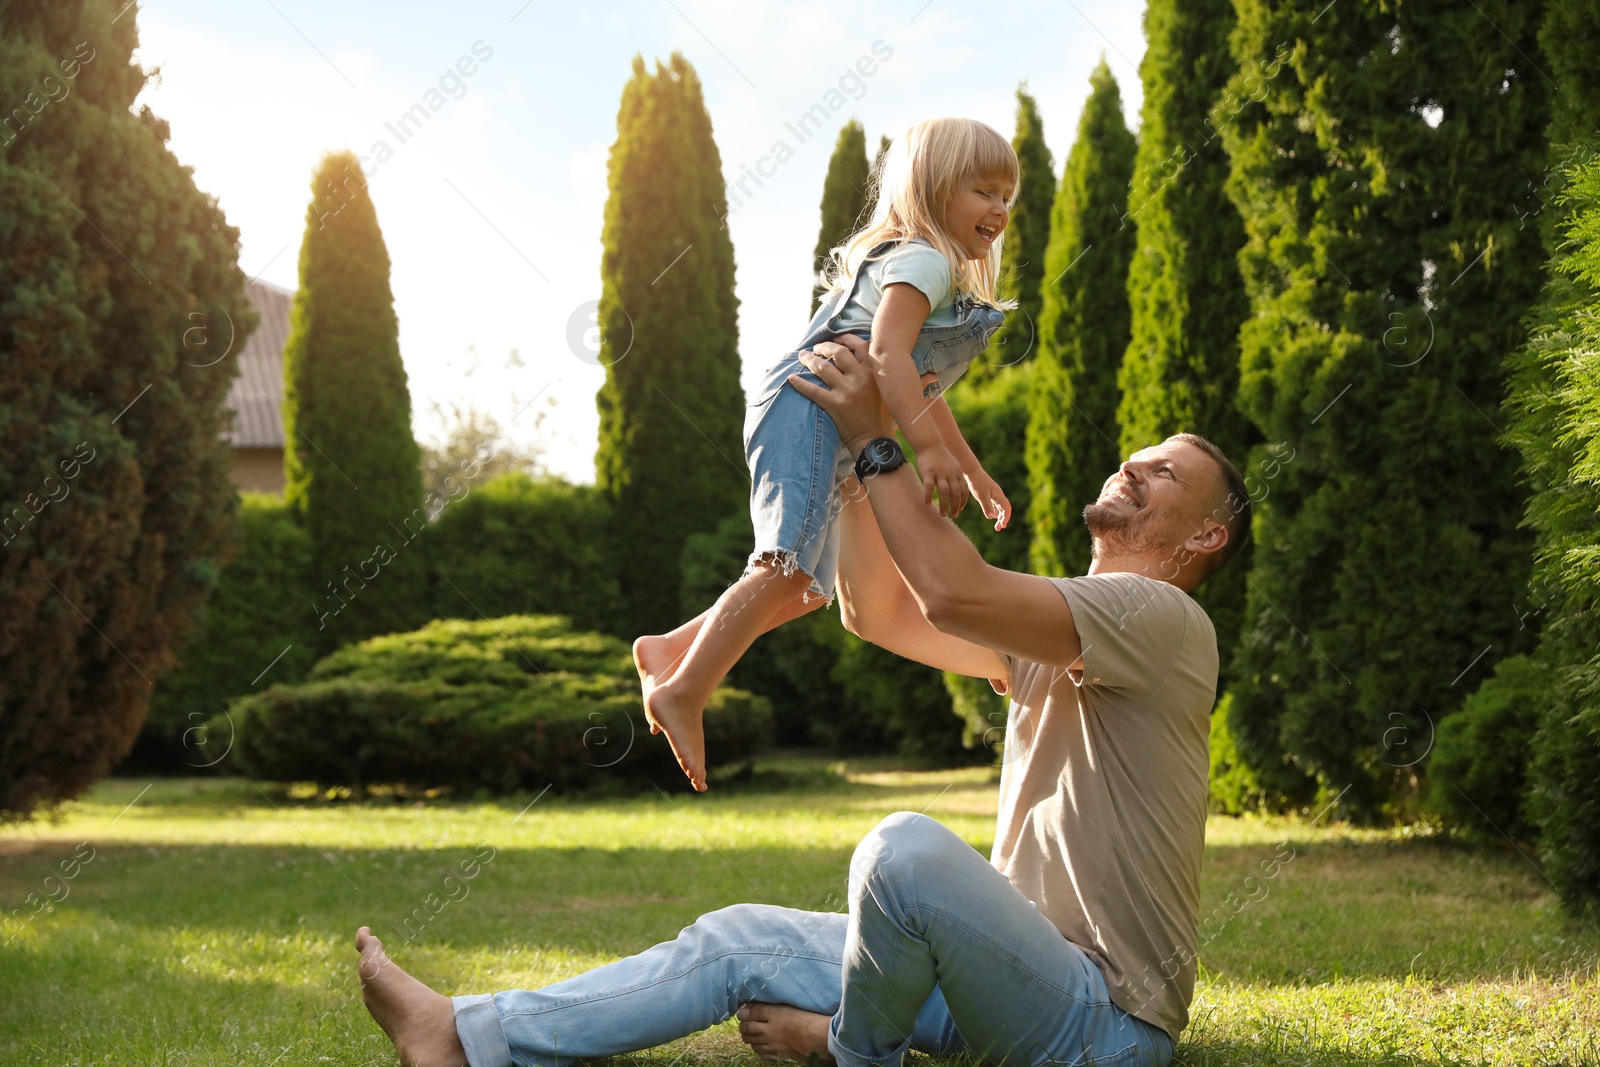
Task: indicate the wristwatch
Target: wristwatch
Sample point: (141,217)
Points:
(881,454)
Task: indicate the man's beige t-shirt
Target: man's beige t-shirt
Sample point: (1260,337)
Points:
(1103,788)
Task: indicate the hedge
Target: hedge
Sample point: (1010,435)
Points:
(258,610)
(521,545)
(500,704)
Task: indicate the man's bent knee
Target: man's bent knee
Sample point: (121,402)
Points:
(900,842)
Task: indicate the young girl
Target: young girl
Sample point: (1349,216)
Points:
(918,282)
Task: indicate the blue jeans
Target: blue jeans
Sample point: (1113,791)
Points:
(938,953)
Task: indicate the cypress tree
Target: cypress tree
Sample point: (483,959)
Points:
(1555,409)
(1083,331)
(1181,370)
(121,305)
(844,198)
(1377,157)
(1556,403)
(877,160)
(1026,239)
(671,408)
(352,470)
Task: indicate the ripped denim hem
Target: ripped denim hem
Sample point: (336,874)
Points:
(789,562)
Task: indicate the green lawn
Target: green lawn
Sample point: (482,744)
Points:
(212,923)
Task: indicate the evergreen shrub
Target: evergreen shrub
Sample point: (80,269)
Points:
(503,704)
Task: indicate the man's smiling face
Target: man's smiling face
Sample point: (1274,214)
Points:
(1155,500)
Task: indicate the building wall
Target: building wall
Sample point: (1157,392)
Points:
(258,470)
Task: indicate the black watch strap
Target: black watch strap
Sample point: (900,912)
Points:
(881,454)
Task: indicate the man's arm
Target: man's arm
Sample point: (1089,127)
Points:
(877,606)
(958,593)
(955,591)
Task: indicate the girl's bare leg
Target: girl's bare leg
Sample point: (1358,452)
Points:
(739,616)
(657,656)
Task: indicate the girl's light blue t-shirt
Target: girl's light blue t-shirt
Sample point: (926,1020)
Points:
(916,262)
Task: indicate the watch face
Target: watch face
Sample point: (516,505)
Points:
(880,454)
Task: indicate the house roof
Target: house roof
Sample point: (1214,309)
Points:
(256,395)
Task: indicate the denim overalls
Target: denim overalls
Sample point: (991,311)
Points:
(797,462)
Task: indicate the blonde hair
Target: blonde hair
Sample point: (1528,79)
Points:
(911,190)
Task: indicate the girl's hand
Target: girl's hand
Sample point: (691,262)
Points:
(941,472)
(990,497)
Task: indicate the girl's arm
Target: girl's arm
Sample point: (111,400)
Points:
(990,497)
(945,420)
(895,327)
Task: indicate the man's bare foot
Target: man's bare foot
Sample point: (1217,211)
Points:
(779,1032)
(420,1022)
(684,727)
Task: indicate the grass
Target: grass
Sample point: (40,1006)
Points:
(212,922)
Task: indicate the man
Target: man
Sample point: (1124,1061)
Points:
(1077,939)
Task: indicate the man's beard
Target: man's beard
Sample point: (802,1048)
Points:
(1121,533)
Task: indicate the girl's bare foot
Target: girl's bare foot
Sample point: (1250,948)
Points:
(420,1022)
(683,724)
(779,1032)
(655,659)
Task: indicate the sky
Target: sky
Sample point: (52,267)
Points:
(491,209)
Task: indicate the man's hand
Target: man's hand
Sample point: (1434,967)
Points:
(858,411)
(852,400)
(990,497)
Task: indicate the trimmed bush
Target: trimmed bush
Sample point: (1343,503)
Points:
(517,545)
(993,415)
(503,704)
(1478,771)
(980,709)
